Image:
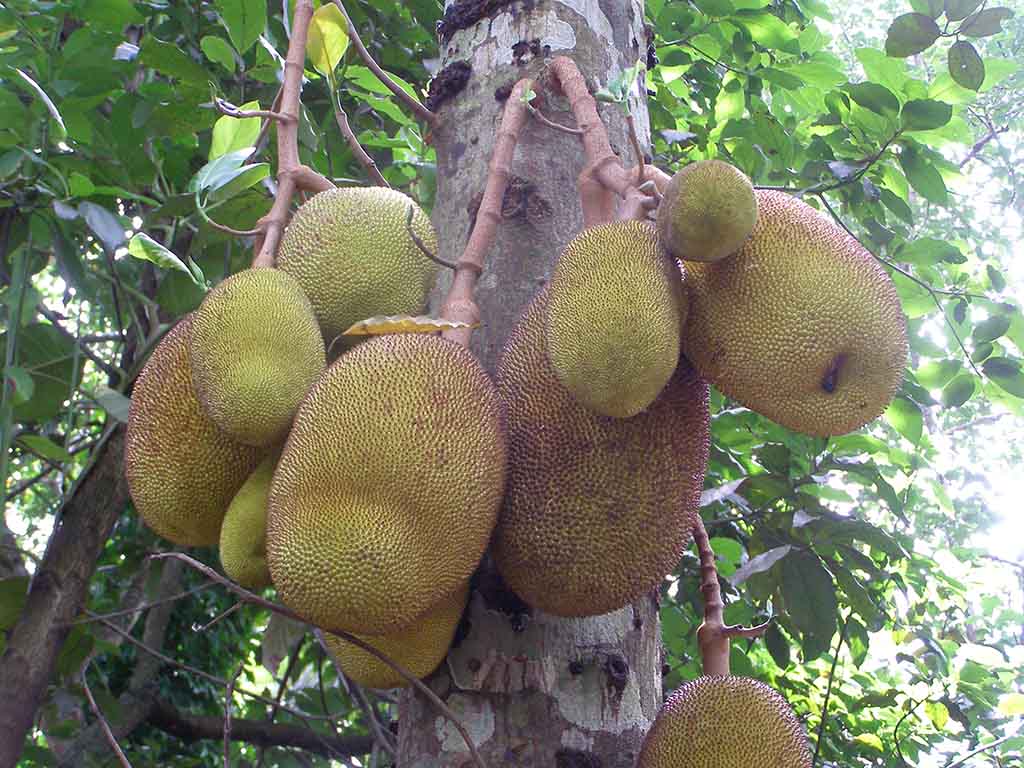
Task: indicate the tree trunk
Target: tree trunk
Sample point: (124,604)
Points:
(533,691)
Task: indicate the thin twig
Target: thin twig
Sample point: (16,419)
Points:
(828,692)
(401,94)
(982,748)
(896,730)
(146,606)
(254,599)
(222,615)
(229,694)
(282,686)
(341,117)
(539,116)
(55,319)
(114,746)
(637,149)
(422,246)
(355,691)
(226,108)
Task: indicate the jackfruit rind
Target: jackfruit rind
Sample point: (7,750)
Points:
(802,325)
(352,254)
(255,352)
(597,509)
(725,722)
(707,211)
(614,312)
(420,647)
(182,470)
(243,534)
(389,485)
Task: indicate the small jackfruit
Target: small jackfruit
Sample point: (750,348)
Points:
(352,254)
(614,311)
(802,325)
(255,352)
(243,535)
(182,470)
(389,485)
(707,212)
(725,722)
(419,647)
(597,509)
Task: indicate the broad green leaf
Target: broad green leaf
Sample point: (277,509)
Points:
(766,28)
(142,246)
(45,98)
(965,65)
(935,374)
(19,381)
(985,22)
(931,8)
(48,355)
(810,599)
(1006,372)
(328,38)
(818,74)
(905,417)
(925,115)
(80,185)
(995,278)
(237,181)
(116,14)
(959,390)
(244,20)
(778,646)
(875,97)
(1011,704)
(218,50)
(911,33)
(168,59)
(998,70)
(233,133)
(113,402)
(922,175)
(991,328)
(957,10)
(105,225)
(43,446)
(219,171)
(882,69)
(716,8)
(759,564)
(929,250)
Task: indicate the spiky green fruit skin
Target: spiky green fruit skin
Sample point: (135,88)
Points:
(802,325)
(707,212)
(182,470)
(256,350)
(597,509)
(389,485)
(615,305)
(725,722)
(243,534)
(353,256)
(419,648)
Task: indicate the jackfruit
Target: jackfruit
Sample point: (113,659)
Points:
(352,254)
(389,485)
(182,470)
(255,352)
(802,325)
(243,535)
(725,722)
(707,211)
(614,313)
(597,509)
(419,648)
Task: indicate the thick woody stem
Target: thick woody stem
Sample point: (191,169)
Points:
(714,634)
(459,304)
(410,102)
(291,174)
(406,675)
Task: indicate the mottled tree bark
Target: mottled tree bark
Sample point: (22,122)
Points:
(535,691)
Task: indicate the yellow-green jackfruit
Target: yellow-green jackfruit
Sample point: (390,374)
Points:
(352,254)
(725,722)
(389,485)
(707,212)
(597,509)
(255,352)
(615,306)
(802,325)
(243,535)
(182,470)
(419,647)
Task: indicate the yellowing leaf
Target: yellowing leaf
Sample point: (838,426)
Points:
(376,326)
(231,133)
(1012,704)
(328,38)
(937,713)
(870,740)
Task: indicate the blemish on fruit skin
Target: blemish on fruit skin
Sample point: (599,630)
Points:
(830,380)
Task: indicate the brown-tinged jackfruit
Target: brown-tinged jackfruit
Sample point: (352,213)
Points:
(597,509)
(614,308)
(389,485)
(707,212)
(182,470)
(802,325)
(243,534)
(255,352)
(725,722)
(352,253)
(419,648)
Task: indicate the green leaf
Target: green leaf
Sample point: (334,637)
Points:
(937,713)
(113,402)
(922,175)
(995,278)
(238,181)
(233,133)
(960,9)
(44,447)
(930,250)
(217,50)
(45,98)
(1005,372)
(925,115)
(1011,704)
(328,38)
(218,172)
(935,374)
(932,8)
(810,598)
(142,246)
(19,381)
(875,97)
(106,226)
(911,33)
(778,646)
(766,28)
(49,357)
(905,417)
(959,390)
(965,65)
(116,14)
(991,328)
(245,21)
(986,22)
(168,59)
